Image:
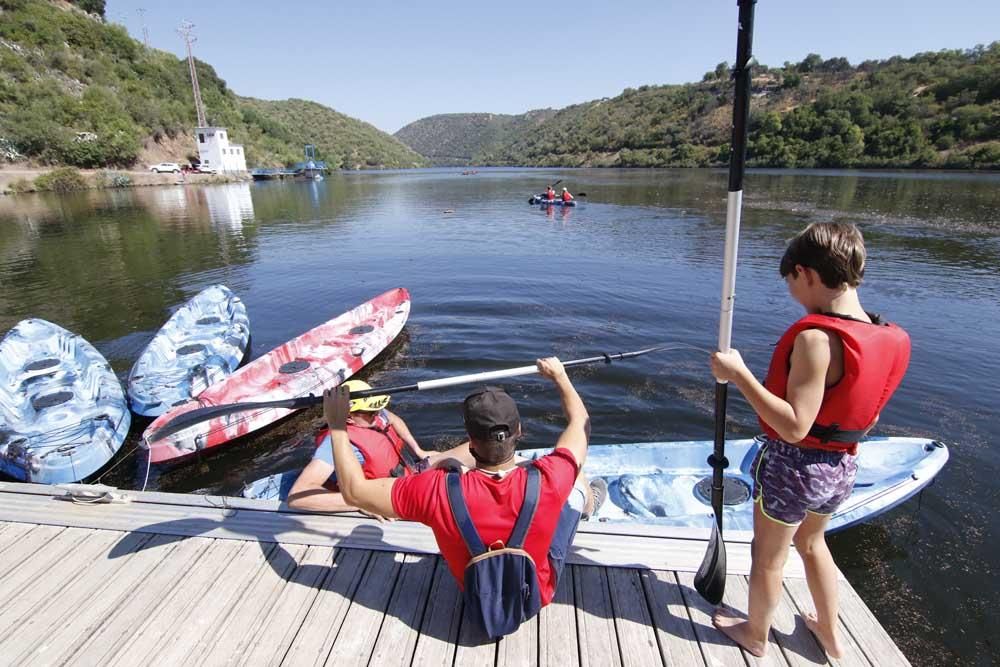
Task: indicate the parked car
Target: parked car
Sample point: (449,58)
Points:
(202,169)
(166,167)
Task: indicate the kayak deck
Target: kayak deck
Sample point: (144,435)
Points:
(188,579)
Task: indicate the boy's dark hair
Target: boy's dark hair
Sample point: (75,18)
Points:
(835,250)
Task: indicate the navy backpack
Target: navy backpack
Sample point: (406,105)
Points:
(501,585)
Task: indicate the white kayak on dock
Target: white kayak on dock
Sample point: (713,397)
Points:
(669,483)
(201,344)
(63,413)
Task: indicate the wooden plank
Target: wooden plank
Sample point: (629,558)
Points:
(48,558)
(674,630)
(474,648)
(398,638)
(521,646)
(246,613)
(558,642)
(798,591)
(164,621)
(27,540)
(141,604)
(69,621)
(326,616)
(595,618)
(798,644)
(273,608)
(737,596)
(207,616)
(869,633)
(13,534)
(442,620)
(32,598)
(636,635)
(364,618)
(717,648)
(590,548)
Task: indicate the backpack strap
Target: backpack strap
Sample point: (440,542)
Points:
(532,490)
(460,511)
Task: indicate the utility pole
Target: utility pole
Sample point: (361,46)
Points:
(145,31)
(185,31)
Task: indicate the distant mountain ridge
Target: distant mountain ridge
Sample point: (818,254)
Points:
(462,138)
(76,90)
(935,109)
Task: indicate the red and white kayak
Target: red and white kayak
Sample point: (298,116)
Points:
(321,358)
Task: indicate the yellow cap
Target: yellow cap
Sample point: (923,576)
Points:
(368,404)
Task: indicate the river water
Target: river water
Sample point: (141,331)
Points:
(496,282)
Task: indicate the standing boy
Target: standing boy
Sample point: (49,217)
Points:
(830,376)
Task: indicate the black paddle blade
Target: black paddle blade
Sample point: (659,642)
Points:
(710,580)
(189,419)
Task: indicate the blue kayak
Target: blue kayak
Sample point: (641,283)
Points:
(539,199)
(669,483)
(63,413)
(201,344)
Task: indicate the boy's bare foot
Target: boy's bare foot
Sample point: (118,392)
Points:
(829,641)
(737,628)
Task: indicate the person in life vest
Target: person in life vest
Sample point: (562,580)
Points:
(831,374)
(483,503)
(550,194)
(381,443)
(566,196)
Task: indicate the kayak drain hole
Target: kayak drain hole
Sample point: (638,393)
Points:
(51,400)
(361,329)
(41,364)
(211,319)
(296,366)
(734,490)
(190,349)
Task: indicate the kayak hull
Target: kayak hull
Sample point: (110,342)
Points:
(318,359)
(551,202)
(63,413)
(201,344)
(657,483)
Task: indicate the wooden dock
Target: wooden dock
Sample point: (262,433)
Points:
(175,579)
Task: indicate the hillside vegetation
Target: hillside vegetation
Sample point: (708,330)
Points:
(939,109)
(77,91)
(458,138)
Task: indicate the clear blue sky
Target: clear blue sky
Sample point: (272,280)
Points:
(390,63)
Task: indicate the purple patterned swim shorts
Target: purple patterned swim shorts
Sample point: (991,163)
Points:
(790,481)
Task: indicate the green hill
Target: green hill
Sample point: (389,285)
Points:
(461,138)
(75,90)
(939,109)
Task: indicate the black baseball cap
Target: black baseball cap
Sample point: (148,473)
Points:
(491,414)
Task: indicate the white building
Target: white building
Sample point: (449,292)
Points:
(215,151)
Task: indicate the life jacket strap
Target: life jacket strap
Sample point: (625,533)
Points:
(833,433)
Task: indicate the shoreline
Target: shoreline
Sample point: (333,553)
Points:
(138,178)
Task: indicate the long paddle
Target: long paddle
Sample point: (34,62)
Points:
(189,419)
(710,580)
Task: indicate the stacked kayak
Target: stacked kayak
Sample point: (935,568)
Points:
(669,483)
(201,344)
(540,199)
(318,359)
(63,413)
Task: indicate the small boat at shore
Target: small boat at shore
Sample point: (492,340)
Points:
(669,483)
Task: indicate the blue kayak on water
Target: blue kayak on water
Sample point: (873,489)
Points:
(63,413)
(201,344)
(539,199)
(669,483)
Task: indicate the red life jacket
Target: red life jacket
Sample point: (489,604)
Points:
(380,445)
(875,360)
(550,194)
(566,196)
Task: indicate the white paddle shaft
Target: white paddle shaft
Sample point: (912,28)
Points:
(476,377)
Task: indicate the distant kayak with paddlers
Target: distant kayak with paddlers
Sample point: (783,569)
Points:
(541,200)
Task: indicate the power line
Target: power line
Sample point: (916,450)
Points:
(186,31)
(145,31)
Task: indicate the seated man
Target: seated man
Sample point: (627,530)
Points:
(566,196)
(381,443)
(482,505)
